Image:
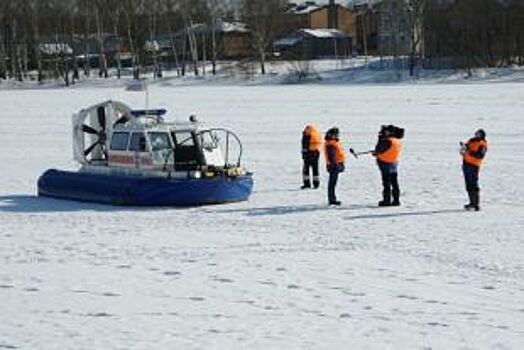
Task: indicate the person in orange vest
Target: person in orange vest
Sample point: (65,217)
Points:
(311,146)
(335,162)
(387,151)
(473,153)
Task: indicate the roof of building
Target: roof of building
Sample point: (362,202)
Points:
(297,36)
(304,9)
(219,27)
(309,7)
(55,49)
(165,41)
(324,33)
(288,41)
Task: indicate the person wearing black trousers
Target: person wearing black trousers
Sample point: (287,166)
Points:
(387,151)
(311,146)
(473,153)
(335,162)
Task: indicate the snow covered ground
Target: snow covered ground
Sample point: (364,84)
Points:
(282,270)
(357,70)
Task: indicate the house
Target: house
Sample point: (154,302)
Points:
(312,16)
(56,45)
(232,40)
(393,28)
(365,42)
(86,49)
(299,15)
(305,44)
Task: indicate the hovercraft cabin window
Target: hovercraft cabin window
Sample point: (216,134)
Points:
(138,142)
(119,141)
(159,140)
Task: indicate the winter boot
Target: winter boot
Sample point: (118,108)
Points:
(473,201)
(307,184)
(396,199)
(476,200)
(471,207)
(316,184)
(386,201)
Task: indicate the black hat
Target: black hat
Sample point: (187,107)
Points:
(386,130)
(481,133)
(332,133)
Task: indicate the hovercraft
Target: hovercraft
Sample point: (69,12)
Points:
(135,158)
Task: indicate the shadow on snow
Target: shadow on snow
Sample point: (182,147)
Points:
(405,214)
(36,204)
(299,209)
(287,209)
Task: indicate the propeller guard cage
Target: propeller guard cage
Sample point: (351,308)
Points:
(89,118)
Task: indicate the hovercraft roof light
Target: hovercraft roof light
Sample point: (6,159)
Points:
(145,112)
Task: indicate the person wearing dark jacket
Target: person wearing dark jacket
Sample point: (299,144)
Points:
(311,147)
(335,159)
(387,151)
(473,153)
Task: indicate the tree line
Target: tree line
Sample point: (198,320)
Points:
(474,33)
(440,34)
(33,33)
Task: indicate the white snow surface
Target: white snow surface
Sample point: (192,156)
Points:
(282,271)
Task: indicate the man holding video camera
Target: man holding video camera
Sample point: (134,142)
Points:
(387,151)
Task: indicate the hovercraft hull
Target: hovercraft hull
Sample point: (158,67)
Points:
(144,191)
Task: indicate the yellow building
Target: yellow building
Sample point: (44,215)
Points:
(333,16)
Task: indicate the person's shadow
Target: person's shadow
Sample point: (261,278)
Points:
(286,209)
(281,210)
(405,214)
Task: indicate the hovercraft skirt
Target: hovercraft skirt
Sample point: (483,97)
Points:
(143,191)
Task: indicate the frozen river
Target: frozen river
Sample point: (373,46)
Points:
(282,270)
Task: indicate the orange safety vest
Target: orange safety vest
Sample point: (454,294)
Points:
(472,147)
(392,155)
(315,138)
(340,154)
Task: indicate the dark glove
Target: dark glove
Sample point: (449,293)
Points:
(304,154)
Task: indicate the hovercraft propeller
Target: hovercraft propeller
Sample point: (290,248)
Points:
(101,134)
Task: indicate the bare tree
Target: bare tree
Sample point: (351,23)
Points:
(129,9)
(115,11)
(263,17)
(217,10)
(170,10)
(99,10)
(192,13)
(415,17)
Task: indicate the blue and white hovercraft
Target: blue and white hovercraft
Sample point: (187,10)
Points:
(136,158)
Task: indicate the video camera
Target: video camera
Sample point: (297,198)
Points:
(391,131)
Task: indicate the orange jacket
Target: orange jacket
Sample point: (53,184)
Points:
(315,138)
(340,154)
(392,155)
(475,151)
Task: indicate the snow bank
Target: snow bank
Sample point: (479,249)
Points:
(354,71)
